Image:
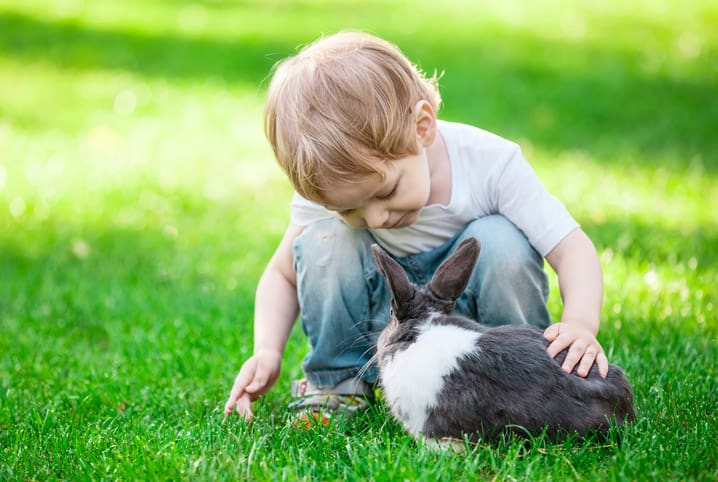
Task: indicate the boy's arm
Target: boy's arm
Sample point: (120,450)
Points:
(276,305)
(276,309)
(581,283)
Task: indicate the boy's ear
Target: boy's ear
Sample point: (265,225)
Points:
(425,122)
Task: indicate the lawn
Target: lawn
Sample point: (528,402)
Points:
(139,202)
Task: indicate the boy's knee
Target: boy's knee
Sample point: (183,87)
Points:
(330,245)
(505,249)
(509,285)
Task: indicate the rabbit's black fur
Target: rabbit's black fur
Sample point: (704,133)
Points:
(482,381)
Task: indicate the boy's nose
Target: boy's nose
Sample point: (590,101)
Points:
(375,217)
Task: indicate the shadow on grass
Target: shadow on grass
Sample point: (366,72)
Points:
(139,276)
(72,46)
(84,279)
(560,96)
(644,243)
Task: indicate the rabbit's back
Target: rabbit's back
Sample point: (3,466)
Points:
(510,380)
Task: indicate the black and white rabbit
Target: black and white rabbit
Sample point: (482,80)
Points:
(445,375)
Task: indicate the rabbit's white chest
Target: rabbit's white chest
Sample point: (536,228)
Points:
(413,379)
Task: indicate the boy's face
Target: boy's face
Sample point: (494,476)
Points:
(389,204)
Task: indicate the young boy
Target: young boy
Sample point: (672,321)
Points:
(353,124)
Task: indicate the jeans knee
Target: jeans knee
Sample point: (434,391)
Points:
(337,279)
(505,250)
(509,284)
(330,246)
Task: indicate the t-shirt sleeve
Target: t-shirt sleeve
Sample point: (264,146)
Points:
(520,197)
(304,212)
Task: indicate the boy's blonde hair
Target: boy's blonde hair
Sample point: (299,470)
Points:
(339,106)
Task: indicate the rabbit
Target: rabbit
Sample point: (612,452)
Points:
(445,376)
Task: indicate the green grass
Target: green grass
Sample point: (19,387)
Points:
(139,203)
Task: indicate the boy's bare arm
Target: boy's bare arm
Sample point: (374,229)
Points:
(276,305)
(581,283)
(276,309)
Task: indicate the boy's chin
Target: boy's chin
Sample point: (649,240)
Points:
(406,220)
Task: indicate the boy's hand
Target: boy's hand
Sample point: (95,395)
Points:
(584,348)
(254,379)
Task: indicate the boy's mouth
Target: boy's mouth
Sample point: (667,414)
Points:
(397,223)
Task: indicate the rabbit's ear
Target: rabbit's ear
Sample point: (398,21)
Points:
(451,278)
(402,290)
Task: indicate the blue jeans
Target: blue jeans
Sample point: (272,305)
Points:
(345,302)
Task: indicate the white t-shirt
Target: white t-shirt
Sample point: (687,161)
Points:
(489,175)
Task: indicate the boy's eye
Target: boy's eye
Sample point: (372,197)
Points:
(389,194)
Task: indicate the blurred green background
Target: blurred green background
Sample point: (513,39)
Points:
(139,200)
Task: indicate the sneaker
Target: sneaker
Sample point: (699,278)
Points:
(318,405)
